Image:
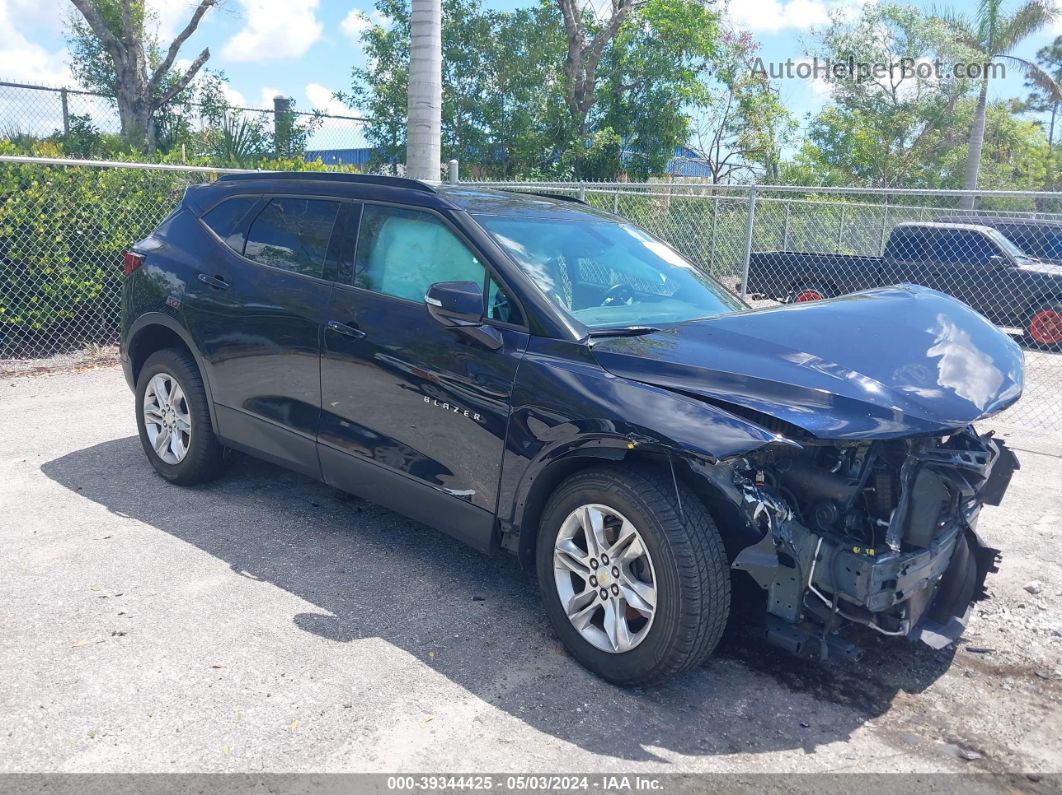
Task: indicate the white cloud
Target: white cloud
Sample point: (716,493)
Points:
(22,60)
(171,16)
(819,85)
(233,97)
(274,29)
(265,99)
(41,14)
(321,99)
(354,24)
(772,16)
(357,22)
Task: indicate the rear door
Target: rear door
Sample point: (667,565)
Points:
(908,249)
(415,414)
(259,327)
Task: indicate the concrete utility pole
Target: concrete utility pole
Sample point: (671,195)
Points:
(424,119)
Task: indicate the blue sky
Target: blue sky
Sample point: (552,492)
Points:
(305,48)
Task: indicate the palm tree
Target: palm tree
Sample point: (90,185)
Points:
(991,34)
(424,120)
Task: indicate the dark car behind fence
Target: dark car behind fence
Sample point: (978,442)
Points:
(64,228)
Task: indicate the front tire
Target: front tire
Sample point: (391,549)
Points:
(663,602)
(173,418)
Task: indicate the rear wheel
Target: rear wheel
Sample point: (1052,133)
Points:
(1044,327)
(173,419)
(635,585)
(803,294)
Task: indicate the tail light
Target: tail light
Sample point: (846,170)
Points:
(131,261)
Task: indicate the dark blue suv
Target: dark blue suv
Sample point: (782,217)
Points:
(529,374)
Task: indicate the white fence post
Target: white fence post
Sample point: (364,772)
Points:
(884,227)
(785,229)
(715,229)
(748,241)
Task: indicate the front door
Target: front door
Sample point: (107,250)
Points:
(971,267)
(415,414)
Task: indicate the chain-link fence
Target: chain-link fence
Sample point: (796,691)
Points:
(73,116)
(63,229)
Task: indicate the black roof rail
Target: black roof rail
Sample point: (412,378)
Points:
(333,176)
(557,196)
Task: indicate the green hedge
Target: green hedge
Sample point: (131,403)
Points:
(63,231)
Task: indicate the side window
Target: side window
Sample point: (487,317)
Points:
(911,245)
(292,234)
(403,252)
(962,247)
(225,220)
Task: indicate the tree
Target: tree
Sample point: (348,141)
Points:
(587,38)
(470,96)
(992,35)
(424,116)
(136,73)
(741,125)
(505,100)
(1041,101)
(651,79)
(891,128)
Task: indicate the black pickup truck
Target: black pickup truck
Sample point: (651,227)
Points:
(974,263)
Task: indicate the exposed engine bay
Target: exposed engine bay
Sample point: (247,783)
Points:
(876,533)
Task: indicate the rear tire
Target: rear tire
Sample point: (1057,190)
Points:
(176,431)
(684,573)
(1043,326)
(805,293)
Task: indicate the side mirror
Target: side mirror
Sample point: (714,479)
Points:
(455,303)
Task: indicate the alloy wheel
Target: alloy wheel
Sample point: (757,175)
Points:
(605,578)
(167,419)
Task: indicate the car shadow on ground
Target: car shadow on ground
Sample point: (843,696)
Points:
(479,621)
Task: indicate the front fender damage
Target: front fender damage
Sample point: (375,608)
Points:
(877,534)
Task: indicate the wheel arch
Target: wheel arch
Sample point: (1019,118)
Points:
(822,284)
(155,332)
(734,530)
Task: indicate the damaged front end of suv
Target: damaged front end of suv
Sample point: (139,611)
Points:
(864,508)
(879,533)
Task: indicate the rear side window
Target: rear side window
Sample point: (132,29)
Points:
(293,234)
(225,220)
(909,244)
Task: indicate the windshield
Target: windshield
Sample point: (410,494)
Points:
(608,274)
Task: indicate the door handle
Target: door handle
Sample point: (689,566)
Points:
(214,281)
(346,329)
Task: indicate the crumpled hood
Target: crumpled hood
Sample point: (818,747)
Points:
(885,363)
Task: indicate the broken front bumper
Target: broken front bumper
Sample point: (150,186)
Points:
(816,584)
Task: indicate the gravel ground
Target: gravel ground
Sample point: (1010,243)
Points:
(269,623)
